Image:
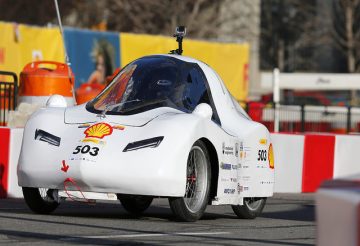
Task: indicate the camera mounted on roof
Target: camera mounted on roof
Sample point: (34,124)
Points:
(180,33)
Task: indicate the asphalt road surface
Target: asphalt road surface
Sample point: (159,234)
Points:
(286,220)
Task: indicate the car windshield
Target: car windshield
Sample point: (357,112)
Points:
(151,82)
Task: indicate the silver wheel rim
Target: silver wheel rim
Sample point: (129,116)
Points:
(44,195)
(196,180)
(253,203)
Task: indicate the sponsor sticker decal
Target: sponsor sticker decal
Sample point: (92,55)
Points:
(119,127)
(266,182)
(245,178)
(229,191)
(242,188)
(99,131)
(227,150)
(263,141)
(225,166)
(84,125)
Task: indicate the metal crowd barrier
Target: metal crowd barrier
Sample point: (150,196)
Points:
(307,118)
(8,95)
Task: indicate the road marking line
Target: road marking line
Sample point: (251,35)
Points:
(147,235)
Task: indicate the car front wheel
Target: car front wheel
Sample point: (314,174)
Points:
(251,209)
(40,200)
(192,206)
(135,204)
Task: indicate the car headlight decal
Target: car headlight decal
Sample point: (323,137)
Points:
(146,143)
(44,136)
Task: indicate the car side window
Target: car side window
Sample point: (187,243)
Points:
(195,91)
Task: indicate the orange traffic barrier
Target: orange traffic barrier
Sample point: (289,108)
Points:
(43,79)
(88,91)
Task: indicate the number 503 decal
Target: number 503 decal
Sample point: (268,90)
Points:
(93,151)
(262,155)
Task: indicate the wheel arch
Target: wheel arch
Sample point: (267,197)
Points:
(214,161)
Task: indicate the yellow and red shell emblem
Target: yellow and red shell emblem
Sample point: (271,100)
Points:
(98,130)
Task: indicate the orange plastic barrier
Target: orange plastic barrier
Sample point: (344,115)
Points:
(45,78)
(88,91)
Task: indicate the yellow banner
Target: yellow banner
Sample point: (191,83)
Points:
(9,49)
(40,44)
(21,44)
(229,60)
(133,46)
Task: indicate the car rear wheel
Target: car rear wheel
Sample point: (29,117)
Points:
(40,200)
(135,204)
(192,206)
(251,209)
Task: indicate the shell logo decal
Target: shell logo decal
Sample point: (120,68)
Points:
(98,130)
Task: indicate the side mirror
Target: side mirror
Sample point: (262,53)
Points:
(203,110)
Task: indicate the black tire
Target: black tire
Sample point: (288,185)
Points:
(251,209)
(188,208)
(39,200)
(135,204)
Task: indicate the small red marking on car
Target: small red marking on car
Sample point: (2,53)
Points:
(192,178)
(64,167)
(119,127)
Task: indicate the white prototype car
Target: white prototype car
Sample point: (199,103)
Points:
(166,126)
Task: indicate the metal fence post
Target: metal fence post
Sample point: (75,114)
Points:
(302,118)
(348,119)
(276,97)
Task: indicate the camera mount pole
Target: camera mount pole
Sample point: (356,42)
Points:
(180,33)
(179,39)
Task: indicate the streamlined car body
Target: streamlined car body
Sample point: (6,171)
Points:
(166,126)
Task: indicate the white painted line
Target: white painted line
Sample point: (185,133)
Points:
(202,233)
(146,235)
